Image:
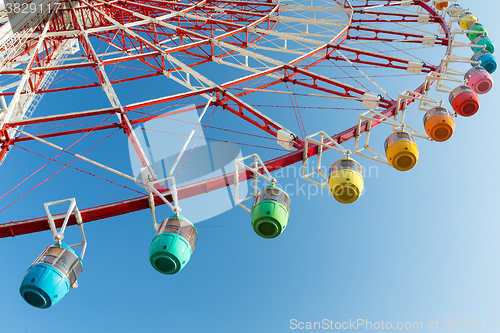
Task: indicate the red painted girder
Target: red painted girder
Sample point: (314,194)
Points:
(291,71)
(361,38)
(168,99)
(348,89)
(441,41)
(384,3)
(246,3)
(392,14)
(132,205)
(180,48)
(106,62)
(70,132)
(91,65)
(130,12)
(359,52)
(242,12)
(390,60)
(382,103)
(296,71)
(75,115)
(266,126)
(98,128)
(425,68)
(59,67)
(384,21)
(86,85)
(128,206)
(94,85)
(200,5)
(227,34)
(89,20)
(186,20)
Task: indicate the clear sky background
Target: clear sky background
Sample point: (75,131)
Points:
(418,246)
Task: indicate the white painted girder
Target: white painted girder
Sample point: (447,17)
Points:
(23,97)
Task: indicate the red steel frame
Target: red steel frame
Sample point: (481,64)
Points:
(290,73)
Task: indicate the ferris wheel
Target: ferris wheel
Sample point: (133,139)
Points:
(232,85)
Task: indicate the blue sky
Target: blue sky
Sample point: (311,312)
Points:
(418,246)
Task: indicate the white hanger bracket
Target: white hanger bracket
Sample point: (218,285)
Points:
(258,169)
(152,190)
(322,144)
(59,235)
